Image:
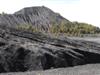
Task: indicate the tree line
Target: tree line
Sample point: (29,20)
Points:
(74,28)
(68,28)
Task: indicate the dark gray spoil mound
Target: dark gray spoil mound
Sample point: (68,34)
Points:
(25,51)
(40,17)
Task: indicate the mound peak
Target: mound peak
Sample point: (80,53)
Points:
(34,10)
(39,16)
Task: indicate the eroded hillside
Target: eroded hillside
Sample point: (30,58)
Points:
(22,51)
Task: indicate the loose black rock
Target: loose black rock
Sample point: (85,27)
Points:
(26,51)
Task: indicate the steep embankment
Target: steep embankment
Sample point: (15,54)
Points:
(26,51)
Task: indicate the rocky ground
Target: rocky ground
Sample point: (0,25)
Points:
(22,51)
(90,69)
(93,39)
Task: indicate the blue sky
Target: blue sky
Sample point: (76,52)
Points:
(74,10)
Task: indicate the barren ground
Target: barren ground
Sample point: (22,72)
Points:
(90,69)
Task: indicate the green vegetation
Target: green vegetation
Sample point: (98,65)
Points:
(74,29)
(66,28)
(28,27)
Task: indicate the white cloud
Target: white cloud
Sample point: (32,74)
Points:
(89,11)
(83,11)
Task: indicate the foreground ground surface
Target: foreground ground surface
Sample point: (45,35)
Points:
(27,53)
(93,39)
(90,69)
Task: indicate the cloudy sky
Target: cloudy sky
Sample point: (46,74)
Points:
(75,10)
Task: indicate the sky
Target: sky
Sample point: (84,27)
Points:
(74,10)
